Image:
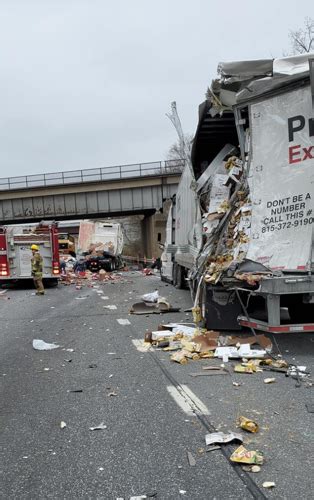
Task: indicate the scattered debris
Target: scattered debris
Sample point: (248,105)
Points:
(191,459)
(112,393)
(269,484)
(213,448)
(251,468)
(123,322)
(310,407)
(147,272)
(247,424)
(75,390)
(41,345)
(112,307)
(269,380)
(236,384)
(222,438)
(99,427)
(244,456)
(151,297)
(206,374)
(62,424)
(190,342)
(162,306)
(92,365)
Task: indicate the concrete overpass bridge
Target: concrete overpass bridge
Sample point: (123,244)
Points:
(102,192)
(92,193)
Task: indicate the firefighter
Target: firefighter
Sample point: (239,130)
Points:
(37,270)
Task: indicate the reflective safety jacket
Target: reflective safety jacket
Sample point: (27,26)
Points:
(37,265)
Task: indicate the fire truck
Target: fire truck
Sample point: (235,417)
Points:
(15,251)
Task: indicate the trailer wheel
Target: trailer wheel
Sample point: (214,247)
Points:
(180,282)
(301,313)
(50,282)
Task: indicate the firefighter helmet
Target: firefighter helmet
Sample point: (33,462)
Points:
(35,247)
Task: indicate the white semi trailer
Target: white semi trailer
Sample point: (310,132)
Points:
(253,190)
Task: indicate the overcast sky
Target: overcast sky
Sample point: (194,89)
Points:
(87,83)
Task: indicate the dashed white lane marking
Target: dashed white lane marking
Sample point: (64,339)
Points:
(123,321)
(187,400)
(140,346)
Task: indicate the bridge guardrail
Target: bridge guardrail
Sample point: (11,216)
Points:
(92,175)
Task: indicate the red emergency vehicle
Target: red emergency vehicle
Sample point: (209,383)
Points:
(15,250)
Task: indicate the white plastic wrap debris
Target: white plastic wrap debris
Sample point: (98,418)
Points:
(244,351)
(162,334)
(40,345)
(151,297)
(282,181)
(230,352)
(221,437)
(187,331)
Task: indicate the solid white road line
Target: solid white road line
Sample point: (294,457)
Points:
(187,400)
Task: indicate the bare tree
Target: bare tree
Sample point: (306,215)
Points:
(179,150)
(302,39)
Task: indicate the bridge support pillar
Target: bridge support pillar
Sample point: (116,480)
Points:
(148,225)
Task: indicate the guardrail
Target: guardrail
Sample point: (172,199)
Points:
(169,167)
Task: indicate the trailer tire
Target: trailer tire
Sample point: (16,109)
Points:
(180,282)
(50,282)
(301,313)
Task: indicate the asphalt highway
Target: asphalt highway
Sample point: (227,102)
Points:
(99,375)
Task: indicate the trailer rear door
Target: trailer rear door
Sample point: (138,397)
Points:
(282,181)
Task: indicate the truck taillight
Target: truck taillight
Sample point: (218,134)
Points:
(55,269)
(4,270)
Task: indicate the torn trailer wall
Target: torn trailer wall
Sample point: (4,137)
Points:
(267,211)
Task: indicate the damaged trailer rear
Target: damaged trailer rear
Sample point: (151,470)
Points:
(253,165)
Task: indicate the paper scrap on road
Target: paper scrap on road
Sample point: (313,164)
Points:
(104,297)
(191,459)
(269,484)
(112,308)
(62,424)
(123,321)
(112,393)
(269,380)
(99,427)
(41,345)
(221,437)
